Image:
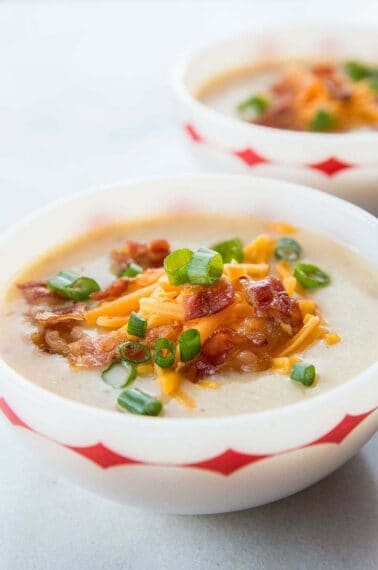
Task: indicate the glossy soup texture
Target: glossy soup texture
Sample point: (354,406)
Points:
(349,304)
(225,92)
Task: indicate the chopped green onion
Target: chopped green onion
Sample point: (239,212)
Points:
(322,121)
(137,325)
(164,352)
(190,344)
(357,71)
(131,270)
(230,249)
(288,248)
(119,373)
(310,276)
(205,267)
(304,373)
(133,351)
(256,104)
(138,402)
(73,286)
(176,265)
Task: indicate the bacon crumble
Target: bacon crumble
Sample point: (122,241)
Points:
(201,301)
(269,299)
(36,292)
(146,255)
(114,290)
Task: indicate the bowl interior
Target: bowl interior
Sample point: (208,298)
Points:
(278,44)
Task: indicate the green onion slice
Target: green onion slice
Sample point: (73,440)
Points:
(304,373)
(137,325)
(176,265)
(358,71)
(322,121)
(310,276)
(288,248)
(73,286)
(131,270)
(230,249)
(190,344)
(133,351)
(205,267)
(138,402)
(119,373)
(257,104)
(164,352)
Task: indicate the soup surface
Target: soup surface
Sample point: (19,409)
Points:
(302,96)
(344,343)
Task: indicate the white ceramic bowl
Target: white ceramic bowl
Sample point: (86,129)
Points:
(345,164)
(182,465)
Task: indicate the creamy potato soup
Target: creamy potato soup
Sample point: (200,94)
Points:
(192,315)
(295,95)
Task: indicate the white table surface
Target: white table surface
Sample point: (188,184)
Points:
(85,101)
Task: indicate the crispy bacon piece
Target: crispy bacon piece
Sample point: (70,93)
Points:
(269,299)
(91,351)
(218,344)
(170,332)
(336,85)
(338,89)
(323,69)
(114,290)
(227,349)
(145,254)
(59,315)
(201,301)
(80,349)
(281,114)
(252,342)
(36,292)
(259,331)
(53,341)
(86,351)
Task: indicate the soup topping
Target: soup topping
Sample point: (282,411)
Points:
(320,97)
(185,315)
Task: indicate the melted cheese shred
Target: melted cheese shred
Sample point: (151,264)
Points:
(259,250)
(303,338)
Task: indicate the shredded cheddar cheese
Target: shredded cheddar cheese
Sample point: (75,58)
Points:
(332,338)
(236,270)
(121,306)
(184,399)
(208,384)
(111,322)
(290,284)
(259,250)
(282,228)
(284,270)
(303,338)
(307,306)
(169,380)
(150,306)
(146,369)
(283,364)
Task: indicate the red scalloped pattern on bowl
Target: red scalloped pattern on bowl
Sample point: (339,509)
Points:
(329,167)
(225,463)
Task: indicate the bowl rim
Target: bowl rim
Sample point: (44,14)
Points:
(21,381)
(187,59)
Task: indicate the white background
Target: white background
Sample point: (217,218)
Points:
(85,101)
